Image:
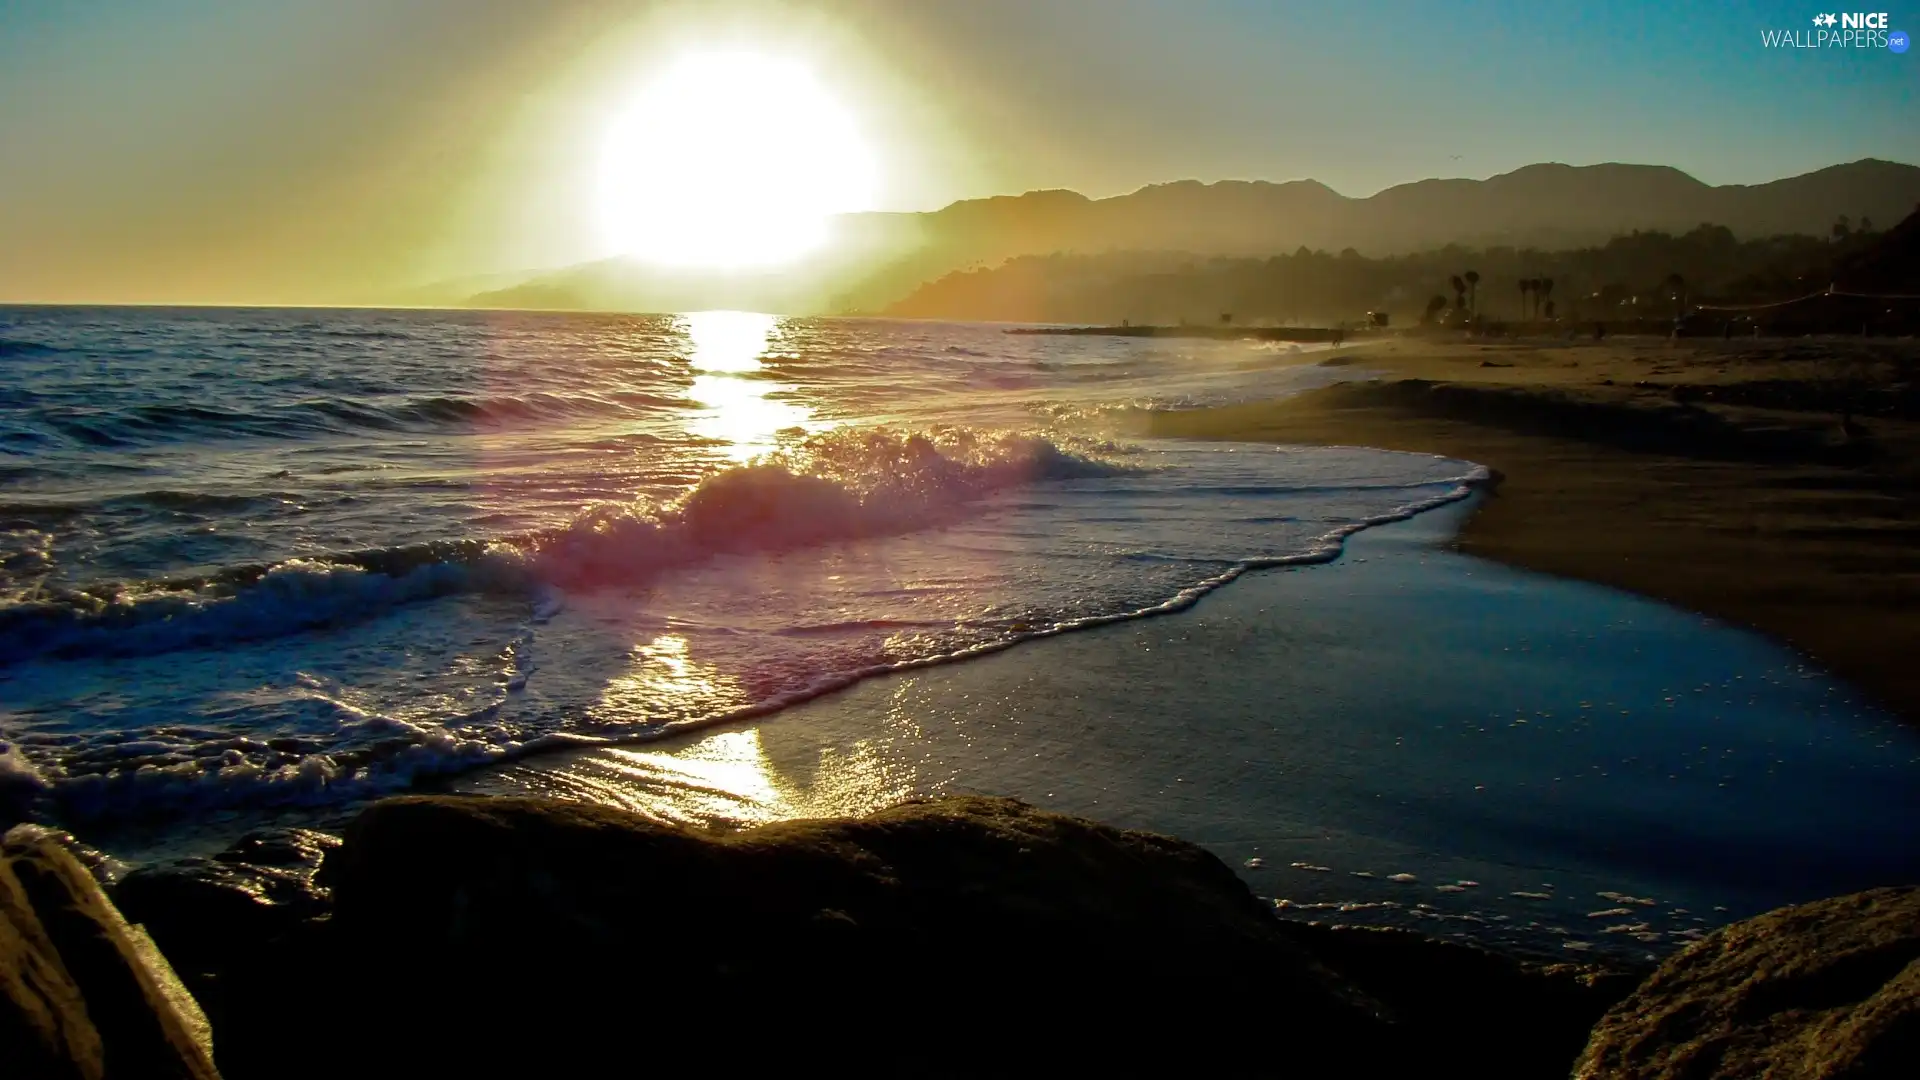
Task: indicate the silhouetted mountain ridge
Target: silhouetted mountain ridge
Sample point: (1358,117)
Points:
(1631,276)
(1536,205)
(882,257)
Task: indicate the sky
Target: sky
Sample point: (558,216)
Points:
(318,151)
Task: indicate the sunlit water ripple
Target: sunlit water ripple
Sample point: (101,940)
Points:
(256,559)
(258,566)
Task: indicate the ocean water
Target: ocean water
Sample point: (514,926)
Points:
(276,562)
(257,567)
(1405,737)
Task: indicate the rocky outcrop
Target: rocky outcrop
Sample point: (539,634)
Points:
(492,937)
(515,937)
(84,995)
(208,914)
(953,934)
(1477,1012)
(1827,990)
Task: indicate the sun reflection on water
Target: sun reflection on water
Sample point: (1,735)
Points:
(738,406)
(735,776)
(662,683)
(730,778)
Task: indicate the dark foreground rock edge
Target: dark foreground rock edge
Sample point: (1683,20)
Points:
(516,937)
(1827,990)
(83,994)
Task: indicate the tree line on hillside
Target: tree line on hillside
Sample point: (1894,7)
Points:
(1642,274)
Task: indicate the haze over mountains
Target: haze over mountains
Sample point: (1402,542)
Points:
(878,259)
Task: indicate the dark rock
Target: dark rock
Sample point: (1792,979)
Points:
(515,937)
(241,928)
(1829,989)
(82,993)
(1510,1017)
(959,930)
(301,849)
(201,911)
(101,867)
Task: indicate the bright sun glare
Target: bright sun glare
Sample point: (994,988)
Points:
(731,159)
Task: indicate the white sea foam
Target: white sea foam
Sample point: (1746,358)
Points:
(846,484)
(343,577)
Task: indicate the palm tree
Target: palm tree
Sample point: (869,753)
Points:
(1526,289)
(1435,306)
(1459,291)
(1473,291)
(1543,292)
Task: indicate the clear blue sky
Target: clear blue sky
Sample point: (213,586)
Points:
(299,144)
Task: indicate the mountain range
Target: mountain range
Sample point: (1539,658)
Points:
(878,258)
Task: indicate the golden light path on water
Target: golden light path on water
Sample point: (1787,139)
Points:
(736,399)
(729,776)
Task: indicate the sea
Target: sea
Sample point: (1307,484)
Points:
(261,566)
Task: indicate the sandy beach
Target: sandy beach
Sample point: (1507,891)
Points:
(1715,475)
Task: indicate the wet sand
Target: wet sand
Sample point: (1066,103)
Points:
(1711,475)
(1403,737)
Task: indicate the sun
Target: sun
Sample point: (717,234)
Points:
(731,159)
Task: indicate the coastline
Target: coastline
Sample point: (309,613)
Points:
(1616,463)
(1482,802)
(1353,736)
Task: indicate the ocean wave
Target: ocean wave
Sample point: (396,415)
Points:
(1324,549)
(201,501)
(147,425)
(301,595)
(205,504)
(843,485)
(12,347)
(363,333)
(339,753)
(186,773)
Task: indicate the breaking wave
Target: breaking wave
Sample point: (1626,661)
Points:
(289,559)
(845,485)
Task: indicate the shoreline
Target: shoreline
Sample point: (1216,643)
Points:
(1326,335)
(1604,472)
(1456,718)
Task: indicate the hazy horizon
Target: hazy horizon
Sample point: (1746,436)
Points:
(298,152)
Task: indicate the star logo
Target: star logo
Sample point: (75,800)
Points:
(1828,20)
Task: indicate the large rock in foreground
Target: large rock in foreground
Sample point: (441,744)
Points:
(84,995)
(1827,990)
(515,937)
(957,930)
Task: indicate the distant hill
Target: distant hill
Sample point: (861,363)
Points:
(1629,277)
(1537,206)
(881,258)
(1891,265)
